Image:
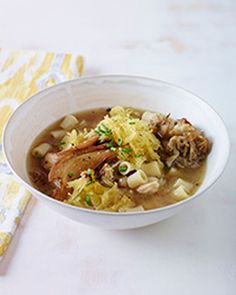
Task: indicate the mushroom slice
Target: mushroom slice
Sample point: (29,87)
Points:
(89,142)
(52,158)
(69,168)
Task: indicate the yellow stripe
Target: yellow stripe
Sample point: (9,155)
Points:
(5,239)
(65,67)
(11,59)
(40,72)
(16,86)
(80,64)
(24,201)
(5,113)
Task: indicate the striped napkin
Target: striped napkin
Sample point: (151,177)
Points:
(23,73)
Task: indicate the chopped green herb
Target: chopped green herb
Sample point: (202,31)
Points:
(62,142)
(101,130)
(123,168)
(126,150)
(107,130)
(105,127)
(89,171)
(110,144)
(113,148)
(88,200)
(137,155)
(132,123)
(70,174)
(120,141)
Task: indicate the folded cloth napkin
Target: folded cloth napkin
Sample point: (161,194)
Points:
(23,73)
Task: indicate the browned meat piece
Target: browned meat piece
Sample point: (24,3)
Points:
(70,167)
(88,143)
(52,158)
(183,144)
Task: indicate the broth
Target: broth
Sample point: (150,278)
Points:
(89,119)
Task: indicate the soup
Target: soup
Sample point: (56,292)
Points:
(119,159)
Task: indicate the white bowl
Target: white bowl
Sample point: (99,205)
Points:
(49,105)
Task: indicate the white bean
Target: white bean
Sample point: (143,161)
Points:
(69,122)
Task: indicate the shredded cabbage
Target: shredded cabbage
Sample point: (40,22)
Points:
(72,139)
(131,137)
(99,196)
(135,139)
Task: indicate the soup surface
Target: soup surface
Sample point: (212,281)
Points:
(119,159)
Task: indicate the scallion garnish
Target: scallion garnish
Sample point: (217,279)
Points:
(126,150)
(110,144)
(88,200)
(123,168)
(70,174)
(89,171)
(101,130)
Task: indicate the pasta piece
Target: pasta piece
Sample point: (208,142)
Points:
(137,178)
(152,169)
(57,133)
(69,122)
(186,185)
(135,209)
(149,188)
(125,168)
(41,150)
(148,116)
(180,193)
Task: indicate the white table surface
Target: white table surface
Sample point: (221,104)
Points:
(190,43)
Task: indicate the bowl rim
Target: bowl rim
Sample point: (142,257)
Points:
(33,190)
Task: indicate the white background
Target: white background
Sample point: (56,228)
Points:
(189,43)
